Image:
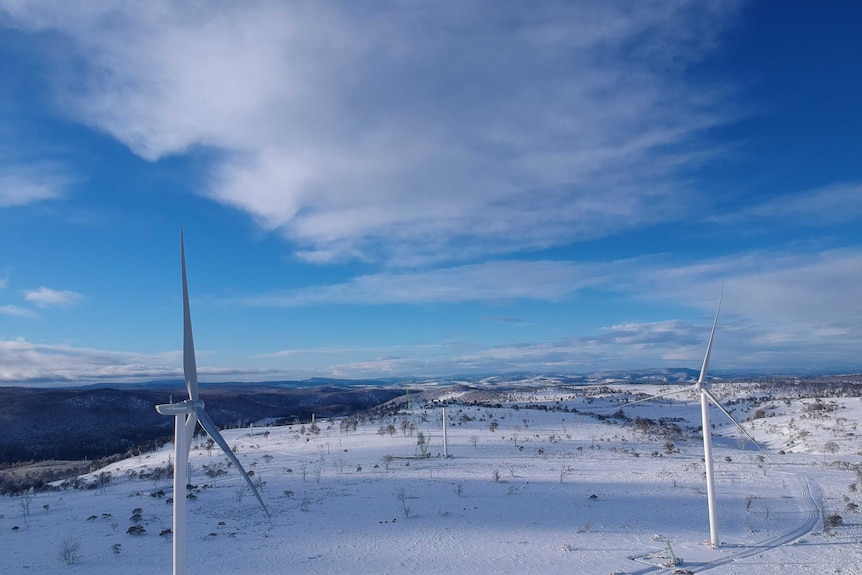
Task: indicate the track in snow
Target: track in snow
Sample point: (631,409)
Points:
(813,509)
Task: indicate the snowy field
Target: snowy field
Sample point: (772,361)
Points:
(536,481)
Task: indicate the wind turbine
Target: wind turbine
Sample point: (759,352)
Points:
(187,414)
(706,397)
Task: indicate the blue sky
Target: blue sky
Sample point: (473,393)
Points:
(428,189)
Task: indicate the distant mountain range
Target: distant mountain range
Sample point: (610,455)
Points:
(74,423)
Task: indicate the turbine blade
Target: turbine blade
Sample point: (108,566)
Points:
(718,404)
(705,365)
(650,398)
(213,432)
(190,370)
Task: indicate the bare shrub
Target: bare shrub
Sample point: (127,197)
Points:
(70,551)
(832,521)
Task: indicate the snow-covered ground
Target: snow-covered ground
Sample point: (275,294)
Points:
(535,482)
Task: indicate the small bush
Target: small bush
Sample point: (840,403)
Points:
(70,551)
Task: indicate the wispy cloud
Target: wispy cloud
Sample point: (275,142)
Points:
(839,203)
(780,310)
(22,361)
(25,362)
(505,319)
(797,291)
(802,287)
(22,185)
(14,310)
(48,298)
(340,129)
(493,281)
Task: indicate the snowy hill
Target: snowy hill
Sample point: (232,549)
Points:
(548,478)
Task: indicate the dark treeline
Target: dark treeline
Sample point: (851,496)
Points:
(94,423)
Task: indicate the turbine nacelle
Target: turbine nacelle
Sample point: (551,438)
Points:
(181,408)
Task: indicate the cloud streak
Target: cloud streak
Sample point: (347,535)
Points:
(17,311)
(835,204)
(23,362)
(805,288)
(780,309)
(494,281)
(49,298)
(21,185)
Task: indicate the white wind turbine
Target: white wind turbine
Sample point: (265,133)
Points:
(706,397)
(188,413)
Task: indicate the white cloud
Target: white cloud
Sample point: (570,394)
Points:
(14,310)
(407,132)
(47,297)
(805,287)
(22,361)
(22,185)
(31,363)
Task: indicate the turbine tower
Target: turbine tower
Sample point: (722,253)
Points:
(187,414)
(706,397)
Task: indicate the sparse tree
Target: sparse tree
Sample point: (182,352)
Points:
(406,427)
(422,444)
(26,499)
(402,498)
(318,470)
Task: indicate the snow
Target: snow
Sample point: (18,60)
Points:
(548,491)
